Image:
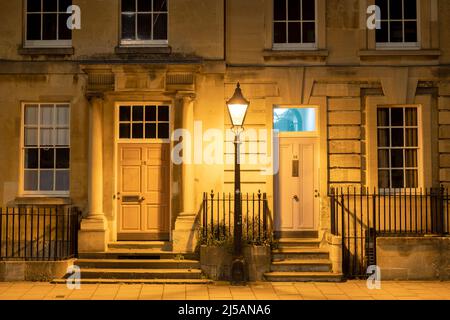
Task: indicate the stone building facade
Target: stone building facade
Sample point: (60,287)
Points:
(87,113)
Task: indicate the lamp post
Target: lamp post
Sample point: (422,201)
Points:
(237,109)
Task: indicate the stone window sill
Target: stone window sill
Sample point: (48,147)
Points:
(428,53)
(36,201)
(143,50)
(296,53)
(36,51)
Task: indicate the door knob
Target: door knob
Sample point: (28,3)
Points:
(296,198)
(142,199)
(316,194)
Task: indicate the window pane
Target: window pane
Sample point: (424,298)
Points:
(411,158)
(62,182)
(279,10)
(47,158)
(410,31)
(63,158)
(125,131)
(138,113)
(397,138)
(383,117)
(383,138)
(410,9)
(62,137)
(396,31)
(125,114)
(412,139)
(382,35)
(31,158)
(50,5)
(49,26)
(150,131)
(64,32)
(31,137)
(150,113)
(47,115)
(309,10)
(46,137)
(294,32)
(396,9)
(383,4)
(31,115)
(138,131)
(383,159)
(128,5)
(279,32)
(383,179)
(411,117)
(144,5)
(64,4)
(160,26)
(33,26)
(163,113)
(62,115)
(397,117)
(31,180)
(398,179)
(128,26)
(46,180)
(294,10)
(412,179)
(163,131)
(160,5)
(397,158)
(144,26)
(33,5)
(309,32)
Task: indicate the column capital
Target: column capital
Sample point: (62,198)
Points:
(91,96)
(186,96)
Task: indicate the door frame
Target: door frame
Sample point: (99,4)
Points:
(118,141)
(276,154)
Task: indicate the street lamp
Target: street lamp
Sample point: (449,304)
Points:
(237,109)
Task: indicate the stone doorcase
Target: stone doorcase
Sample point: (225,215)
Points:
(112,84)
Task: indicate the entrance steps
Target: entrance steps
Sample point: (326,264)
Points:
(301,260)
(138,262)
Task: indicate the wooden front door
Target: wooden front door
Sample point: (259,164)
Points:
(143,191)
(297,186)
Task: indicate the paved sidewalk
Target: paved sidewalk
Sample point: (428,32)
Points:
(352,290)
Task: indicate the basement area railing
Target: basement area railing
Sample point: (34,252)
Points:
(39,233)
(218,218)
(361,215)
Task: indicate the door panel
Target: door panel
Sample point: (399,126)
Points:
(297,180)
(143,192)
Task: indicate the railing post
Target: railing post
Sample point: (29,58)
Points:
(212,213)
(344,254)
(265,215)
(333,212)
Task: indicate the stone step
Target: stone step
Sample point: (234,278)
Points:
(137,281)
(137,264)
(161,245)
(299,254)
(299,243)
(145,254)
(322,265)
(138,274)
(303,277)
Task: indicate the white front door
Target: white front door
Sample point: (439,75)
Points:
(297,186)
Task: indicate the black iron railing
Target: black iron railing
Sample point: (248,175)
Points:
(218,217)
(360,215)
(39,233)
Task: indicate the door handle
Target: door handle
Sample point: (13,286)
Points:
(296,198)
(141,199)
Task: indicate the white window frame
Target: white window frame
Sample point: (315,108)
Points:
(304,134)
(419,149)
(147,43)
(402,45)
(295,46)
(44,43)
(44,193)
